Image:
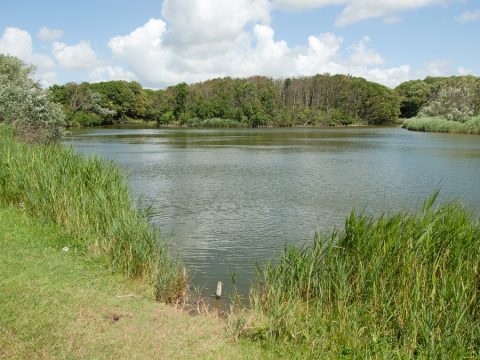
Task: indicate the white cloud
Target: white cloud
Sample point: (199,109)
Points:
(364,56)
(18,42)
(48,35)
(199,21)
(144,53)
(435,68)
(198,40)
(365,9)
(75,57)
(358,10)
(105,73)
(391,77)
(469,16)
(319,56)
(250,51)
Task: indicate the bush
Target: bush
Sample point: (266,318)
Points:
(453,103)
(83,118)
(26,106)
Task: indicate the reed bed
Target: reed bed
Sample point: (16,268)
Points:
(89,198)
(442,125)
(214,123)
(401,286)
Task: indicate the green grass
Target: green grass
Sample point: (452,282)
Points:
(401,286)
(89,198)
(61,305)
(439,124)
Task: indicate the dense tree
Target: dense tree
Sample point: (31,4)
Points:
(252,102)
(127,99)
(82,105)
(414,95)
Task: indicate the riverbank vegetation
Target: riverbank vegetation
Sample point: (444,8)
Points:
(442,125)
(320,100)
(401,286)
(90,199)
(450,105)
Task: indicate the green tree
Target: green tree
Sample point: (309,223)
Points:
(413,96)
(179,98)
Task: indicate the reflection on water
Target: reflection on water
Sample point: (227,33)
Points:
(231,197)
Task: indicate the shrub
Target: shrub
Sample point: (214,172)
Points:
(25,105)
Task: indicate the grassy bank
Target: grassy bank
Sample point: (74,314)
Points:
(442,125)
(64,305)
(89,198)
(402,286)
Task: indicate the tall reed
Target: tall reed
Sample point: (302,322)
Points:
(401,286)
(89,198)
(442,125)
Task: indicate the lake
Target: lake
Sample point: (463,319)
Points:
(232,197)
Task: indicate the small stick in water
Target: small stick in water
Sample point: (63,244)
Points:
(218,293)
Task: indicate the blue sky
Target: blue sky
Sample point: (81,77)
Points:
(162,43)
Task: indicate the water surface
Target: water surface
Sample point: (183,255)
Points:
(231,197)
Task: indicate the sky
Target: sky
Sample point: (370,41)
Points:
(162,43)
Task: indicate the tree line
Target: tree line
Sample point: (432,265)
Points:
(320,100)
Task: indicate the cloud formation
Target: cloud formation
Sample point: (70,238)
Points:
(18,42)
(48,35)
(75,57)
(358,10)
(105,73)
(196,40)
(194,43)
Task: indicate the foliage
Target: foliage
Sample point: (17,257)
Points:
(453,103)
(89,198)
(110,102)
(401,286)
(320,100)
(414,95)
(440,124)
(126,99)
(454,98)
(25,105)
(81,104)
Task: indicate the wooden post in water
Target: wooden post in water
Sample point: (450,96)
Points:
(218,293)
